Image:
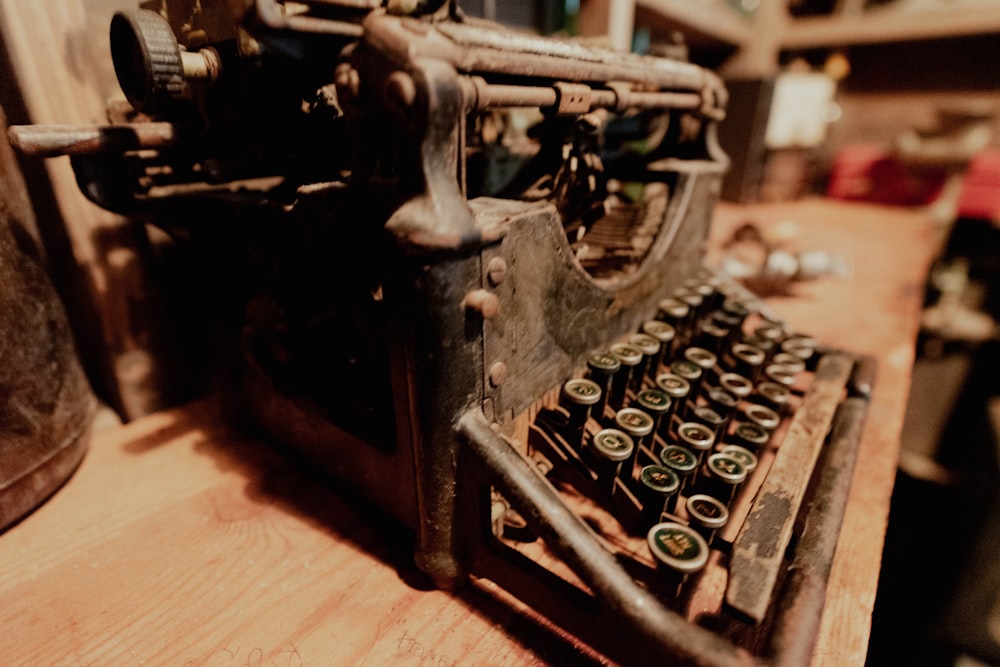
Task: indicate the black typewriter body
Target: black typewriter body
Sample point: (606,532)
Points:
(410,277)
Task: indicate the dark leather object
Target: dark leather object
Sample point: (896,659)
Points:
(46,404)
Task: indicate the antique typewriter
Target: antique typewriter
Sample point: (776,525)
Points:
(461,268)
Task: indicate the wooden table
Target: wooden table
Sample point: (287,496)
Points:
(182,542)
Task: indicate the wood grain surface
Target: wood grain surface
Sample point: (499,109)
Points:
(179,542)
(182,542)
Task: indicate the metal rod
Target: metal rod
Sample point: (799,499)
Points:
(55,140)
(798,617)
(493,95)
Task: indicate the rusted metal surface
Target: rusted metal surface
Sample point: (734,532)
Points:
(759,551)
(801,604)
(552,314)
(54,140)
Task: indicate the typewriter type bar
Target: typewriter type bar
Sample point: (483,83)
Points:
(508,341)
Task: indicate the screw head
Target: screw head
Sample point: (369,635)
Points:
(484,302)
(496,270)
(498,373)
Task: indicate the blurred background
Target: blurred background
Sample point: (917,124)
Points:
(891,102)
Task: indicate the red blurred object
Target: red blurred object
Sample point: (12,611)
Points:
(980,197)
(870,173)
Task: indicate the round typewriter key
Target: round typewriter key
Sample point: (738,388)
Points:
(650,348)
(690,298)
(709,291)
(770,331)
(577,397)
(629,358)
(722,402)
(725,404)
(762,416)
(665,334)
(676,313)
(691,283)
(689,371)
(657,490)
(708,417)
(751,436)
(678,389)
(765,345)
(711,336)
(789,361)
(706,514)
(698,284)
(721,475)
(801,346)
(696,437)
(735,308)
(672,311)
(656,404)
(737,385)
(678,551)
(601,368)
(780,374)
(681,460)
(696,304)
(743,455)
(610,448)
(581,391)
(638,425)
(746,360)
(721,291)
(674,386)
(706,292)
(724,320)
(702,358)
(774,396)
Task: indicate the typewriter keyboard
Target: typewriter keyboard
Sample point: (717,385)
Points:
(675,444)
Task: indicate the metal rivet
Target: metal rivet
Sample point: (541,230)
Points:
(400,89)
(498,373)
(496,270)
(484,302)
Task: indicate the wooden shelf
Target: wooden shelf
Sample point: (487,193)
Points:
(889,24)
(759,39)
(705,20)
